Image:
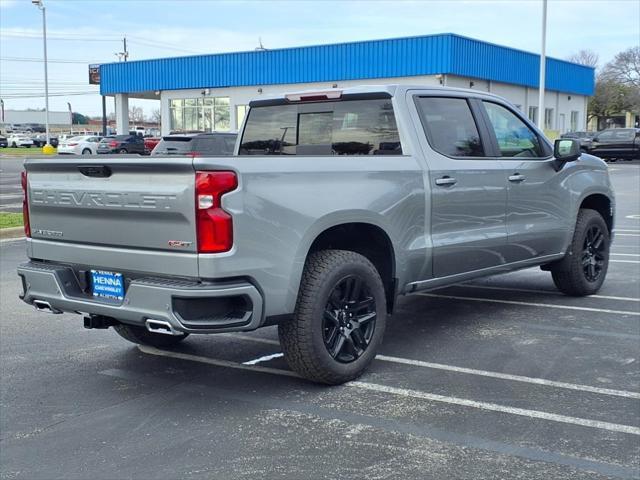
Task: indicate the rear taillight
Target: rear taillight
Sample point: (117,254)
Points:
(25,205)
(113,144)
(214,226)
(72,144)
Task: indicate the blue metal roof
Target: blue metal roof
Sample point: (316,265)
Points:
(398,57)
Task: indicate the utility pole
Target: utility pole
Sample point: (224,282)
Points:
(543,60)
(122,56)
(38,3)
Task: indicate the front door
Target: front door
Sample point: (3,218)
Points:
(468,190)
(537,202)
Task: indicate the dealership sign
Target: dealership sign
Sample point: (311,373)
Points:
(94,74)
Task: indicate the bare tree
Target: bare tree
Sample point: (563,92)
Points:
(136,114)
(156,116)
(585,57)
(624,68)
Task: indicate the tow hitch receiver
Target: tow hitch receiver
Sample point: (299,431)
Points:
(99,321)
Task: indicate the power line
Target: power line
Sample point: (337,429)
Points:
(40,60)
(50,94)
(50,37)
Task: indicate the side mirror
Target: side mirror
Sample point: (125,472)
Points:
(565,150)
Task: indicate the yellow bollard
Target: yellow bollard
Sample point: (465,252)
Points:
(48,150)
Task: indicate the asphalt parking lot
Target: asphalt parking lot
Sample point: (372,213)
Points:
(499,378)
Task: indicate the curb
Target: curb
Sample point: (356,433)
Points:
(14,232)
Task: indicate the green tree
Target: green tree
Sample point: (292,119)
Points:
(79,119)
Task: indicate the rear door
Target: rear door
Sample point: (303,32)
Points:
(468,189)
(537,213)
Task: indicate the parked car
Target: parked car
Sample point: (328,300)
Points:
(81,145)
(583,137)
(617,143)
(339,210)
(20,140)
(204,144)
(4,142)
(150,143)
(122,144)
(39,140)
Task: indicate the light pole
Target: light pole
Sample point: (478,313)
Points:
(38,3)
(543,60)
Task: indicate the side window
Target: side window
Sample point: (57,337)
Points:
(624,135)
(450,127)
(515,138)
(608,135)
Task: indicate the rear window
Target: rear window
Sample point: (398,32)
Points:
(348,127)
(173,146)
(214,144)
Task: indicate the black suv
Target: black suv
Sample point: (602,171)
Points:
(205,144)
(122,144)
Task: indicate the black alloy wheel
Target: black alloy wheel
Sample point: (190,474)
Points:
(349,319)
(593,255)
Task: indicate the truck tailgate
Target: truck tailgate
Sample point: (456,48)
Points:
(132,205)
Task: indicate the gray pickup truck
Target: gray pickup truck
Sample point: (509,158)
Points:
(334,204)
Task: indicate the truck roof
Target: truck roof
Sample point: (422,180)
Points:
(391,89)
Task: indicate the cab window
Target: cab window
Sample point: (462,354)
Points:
(515,138)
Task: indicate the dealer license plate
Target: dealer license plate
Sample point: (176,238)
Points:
(107,284)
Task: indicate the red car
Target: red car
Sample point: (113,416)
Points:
(150,143)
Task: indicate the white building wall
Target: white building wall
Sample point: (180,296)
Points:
(518,95)
(31,116)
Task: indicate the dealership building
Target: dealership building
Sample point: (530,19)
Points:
(212,92)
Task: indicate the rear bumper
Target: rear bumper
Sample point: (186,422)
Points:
(189,306)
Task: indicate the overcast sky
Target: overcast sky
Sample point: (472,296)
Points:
(91,31)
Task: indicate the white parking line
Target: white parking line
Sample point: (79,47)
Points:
(627,234)
(624,254)
(624,261)
(469,371)
(266,358)
(627,230)
(507,376)
(613,427)
(530,304)
(545,292)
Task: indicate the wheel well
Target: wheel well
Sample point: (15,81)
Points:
(369,241)
(602,205)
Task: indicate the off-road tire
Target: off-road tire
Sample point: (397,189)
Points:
(142,336)
(568,274)
(302,338)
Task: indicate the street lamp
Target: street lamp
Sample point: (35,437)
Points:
(38,3)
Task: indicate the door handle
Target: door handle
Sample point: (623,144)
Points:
(446,180)
(516,177)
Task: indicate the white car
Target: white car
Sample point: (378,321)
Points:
(20,140)
(80,145)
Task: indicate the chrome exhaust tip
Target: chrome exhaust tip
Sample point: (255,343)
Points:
(161,326)
(42,306)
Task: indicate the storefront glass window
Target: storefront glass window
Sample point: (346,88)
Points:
(200,114)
